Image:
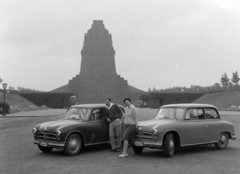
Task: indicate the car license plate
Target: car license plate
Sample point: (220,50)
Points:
(138,144)
(43,144)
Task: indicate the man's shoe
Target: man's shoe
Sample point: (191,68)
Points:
(113,150)
(117,150)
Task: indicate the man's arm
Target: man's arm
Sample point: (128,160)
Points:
(106,115)
(119,111)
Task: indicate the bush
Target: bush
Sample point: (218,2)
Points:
(7,108)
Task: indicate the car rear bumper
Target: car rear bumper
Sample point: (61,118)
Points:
(234,137)
(151,144)
(50,144)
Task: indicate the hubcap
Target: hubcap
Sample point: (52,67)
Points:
(73,144)
(171,145)
(222,139)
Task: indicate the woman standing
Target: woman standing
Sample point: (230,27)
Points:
(129,126)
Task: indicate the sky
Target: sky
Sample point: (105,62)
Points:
(158,43)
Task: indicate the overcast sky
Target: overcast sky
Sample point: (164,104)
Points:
(158,43)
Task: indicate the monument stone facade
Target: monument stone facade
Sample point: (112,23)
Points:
(98,78)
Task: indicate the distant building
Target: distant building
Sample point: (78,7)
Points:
(98,78)
(48,99)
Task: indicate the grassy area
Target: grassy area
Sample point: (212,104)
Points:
(17,102)
(223,100)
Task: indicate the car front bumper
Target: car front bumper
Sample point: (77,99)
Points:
(150,144)
(49,144)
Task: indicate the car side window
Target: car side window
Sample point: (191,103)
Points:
(194,114)
(187,117)
(179,113)
(97,114)
(211,113)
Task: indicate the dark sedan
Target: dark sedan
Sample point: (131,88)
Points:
(83,125)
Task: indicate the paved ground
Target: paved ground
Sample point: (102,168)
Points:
(18,155)
(57,112)
(36,113)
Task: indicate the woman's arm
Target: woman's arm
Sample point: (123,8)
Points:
(135,118)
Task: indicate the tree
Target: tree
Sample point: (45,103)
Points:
(216,87)
(230,86)
(235,78)
(149,89)
(224,79)
(1,80)
(154,90)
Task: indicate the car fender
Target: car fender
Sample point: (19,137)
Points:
(78,132)
(176,135)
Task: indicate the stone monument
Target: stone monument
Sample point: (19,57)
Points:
(98,78)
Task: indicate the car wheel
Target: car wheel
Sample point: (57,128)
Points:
(222,141)
(137,149)
(169,145)
(73,145)
(45,149)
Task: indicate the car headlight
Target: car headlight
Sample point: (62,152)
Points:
(58,133)
(34,131)
(155,131)
(139,128)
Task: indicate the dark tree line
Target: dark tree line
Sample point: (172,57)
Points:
(22,89)
(225,85)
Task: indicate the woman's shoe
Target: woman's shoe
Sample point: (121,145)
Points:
(122,155)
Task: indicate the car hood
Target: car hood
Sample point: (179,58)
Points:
(53,126)
(153,124)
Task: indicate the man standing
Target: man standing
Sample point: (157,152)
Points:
(114,115)
(73,100)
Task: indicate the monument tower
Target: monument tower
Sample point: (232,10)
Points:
(98,78)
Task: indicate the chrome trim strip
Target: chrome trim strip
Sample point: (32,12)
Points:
(200,143)
(97,143)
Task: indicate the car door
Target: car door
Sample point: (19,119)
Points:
(195,129)
(99,126)
(214,122)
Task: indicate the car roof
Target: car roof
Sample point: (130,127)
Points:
(91,105)
(188,105)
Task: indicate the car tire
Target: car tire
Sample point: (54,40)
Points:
(222,141)
(73,145)
(169,145)
(45,149)
(137,149)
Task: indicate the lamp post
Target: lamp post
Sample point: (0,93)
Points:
(4,91)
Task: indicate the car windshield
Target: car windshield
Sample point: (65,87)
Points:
(78,114)
(170,113)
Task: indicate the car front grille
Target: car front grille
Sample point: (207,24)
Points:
(46,136)
(144,135)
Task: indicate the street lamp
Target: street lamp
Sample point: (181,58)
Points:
(4,91)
